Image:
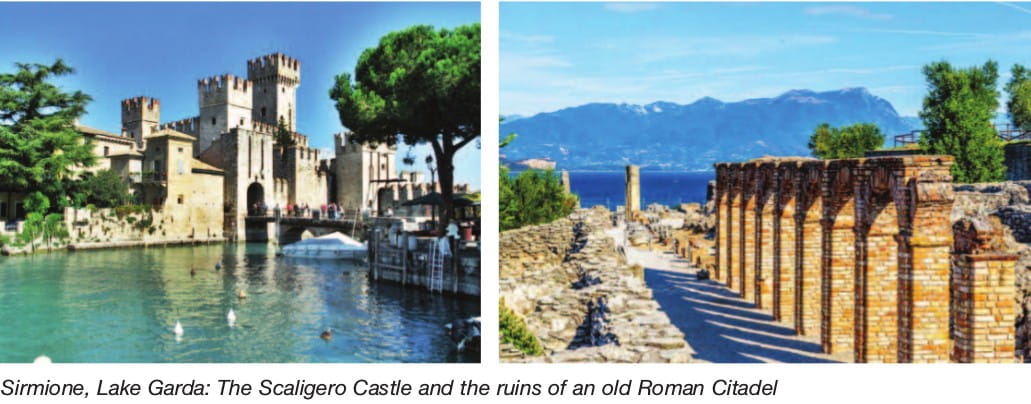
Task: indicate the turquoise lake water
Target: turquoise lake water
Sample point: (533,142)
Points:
(122,305)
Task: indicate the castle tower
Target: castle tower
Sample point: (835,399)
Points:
(140,116)
(362,171)
(225,103)
(275,77)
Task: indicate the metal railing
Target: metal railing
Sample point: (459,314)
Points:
(1005,131)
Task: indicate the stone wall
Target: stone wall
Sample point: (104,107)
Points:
(870,239)
(103,228)
(580,298)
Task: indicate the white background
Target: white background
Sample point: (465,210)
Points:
(797,383)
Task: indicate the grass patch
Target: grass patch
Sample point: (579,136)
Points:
(513,330)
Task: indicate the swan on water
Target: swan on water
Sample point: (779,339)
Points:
(42,359)
(178,331)
(231,317)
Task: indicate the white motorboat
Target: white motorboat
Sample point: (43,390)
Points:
(331,246)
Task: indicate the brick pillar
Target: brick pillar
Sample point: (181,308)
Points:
(734,239)
(764,255)
(876,316)
(784,263)
(746,282)
(837,289)
(983,287)
(722,224)
(808,263)
(924,263)
(984,312)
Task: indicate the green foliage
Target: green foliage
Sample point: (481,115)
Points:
(422,84)
(36,202)
(105,189)
(1019,103)
(848,142)
(957,113)
(532,197)
(284,138)
(39,146)
(513,330)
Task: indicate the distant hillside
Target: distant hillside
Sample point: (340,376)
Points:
(668,136)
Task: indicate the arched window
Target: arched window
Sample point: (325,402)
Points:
(262,112)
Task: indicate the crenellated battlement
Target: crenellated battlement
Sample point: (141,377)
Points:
(140,108)
(274,66)
(224,82)
(188,125)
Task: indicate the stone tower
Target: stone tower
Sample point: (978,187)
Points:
(275,77)
(362,171)
(225,103)
(140,116)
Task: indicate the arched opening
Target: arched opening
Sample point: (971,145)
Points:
(384,201)
(877,272)
(256,199)
(838,273)
(809,244)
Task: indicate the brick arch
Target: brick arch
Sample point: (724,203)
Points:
(809,248)
(877,262)
(784,243)
(837,286)
(881,224)
(746,273)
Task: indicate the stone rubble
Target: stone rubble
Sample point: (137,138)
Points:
(1010,201)
(580,298)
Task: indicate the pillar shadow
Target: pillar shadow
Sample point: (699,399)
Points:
(722,328)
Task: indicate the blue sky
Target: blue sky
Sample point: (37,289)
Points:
(565,54)
(122,50)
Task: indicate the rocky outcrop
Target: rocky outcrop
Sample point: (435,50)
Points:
(580,298)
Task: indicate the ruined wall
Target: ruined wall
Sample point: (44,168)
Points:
(580,298)
(856,251)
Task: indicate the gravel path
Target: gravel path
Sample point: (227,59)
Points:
(719,326)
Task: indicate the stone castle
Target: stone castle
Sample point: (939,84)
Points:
(225,159)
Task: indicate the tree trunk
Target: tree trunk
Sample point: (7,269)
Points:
(446,175)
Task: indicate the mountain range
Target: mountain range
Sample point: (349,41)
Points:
(691,137)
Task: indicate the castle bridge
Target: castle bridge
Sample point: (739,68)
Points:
(289,229)
(863,254)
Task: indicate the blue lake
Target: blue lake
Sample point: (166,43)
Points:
(668,188)
(121,306)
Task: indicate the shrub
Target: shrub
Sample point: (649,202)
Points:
(513,330)
(532,197)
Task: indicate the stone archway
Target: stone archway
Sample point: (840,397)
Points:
(255,197)
(384,200)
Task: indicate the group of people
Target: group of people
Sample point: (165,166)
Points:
(330,211)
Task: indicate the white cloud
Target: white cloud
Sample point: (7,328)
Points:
(847,10)
(632,7)
(526,38)
(650,50)
(1014,6)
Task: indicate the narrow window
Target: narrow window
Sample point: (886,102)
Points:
(106,150)
(212,120)
(181,199)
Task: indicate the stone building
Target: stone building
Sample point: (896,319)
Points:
(218,165)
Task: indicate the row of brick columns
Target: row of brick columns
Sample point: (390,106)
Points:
(859,252)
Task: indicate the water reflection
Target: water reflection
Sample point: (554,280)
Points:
(122,305)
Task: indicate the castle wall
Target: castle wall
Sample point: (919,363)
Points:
(247,161)
(357,169)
